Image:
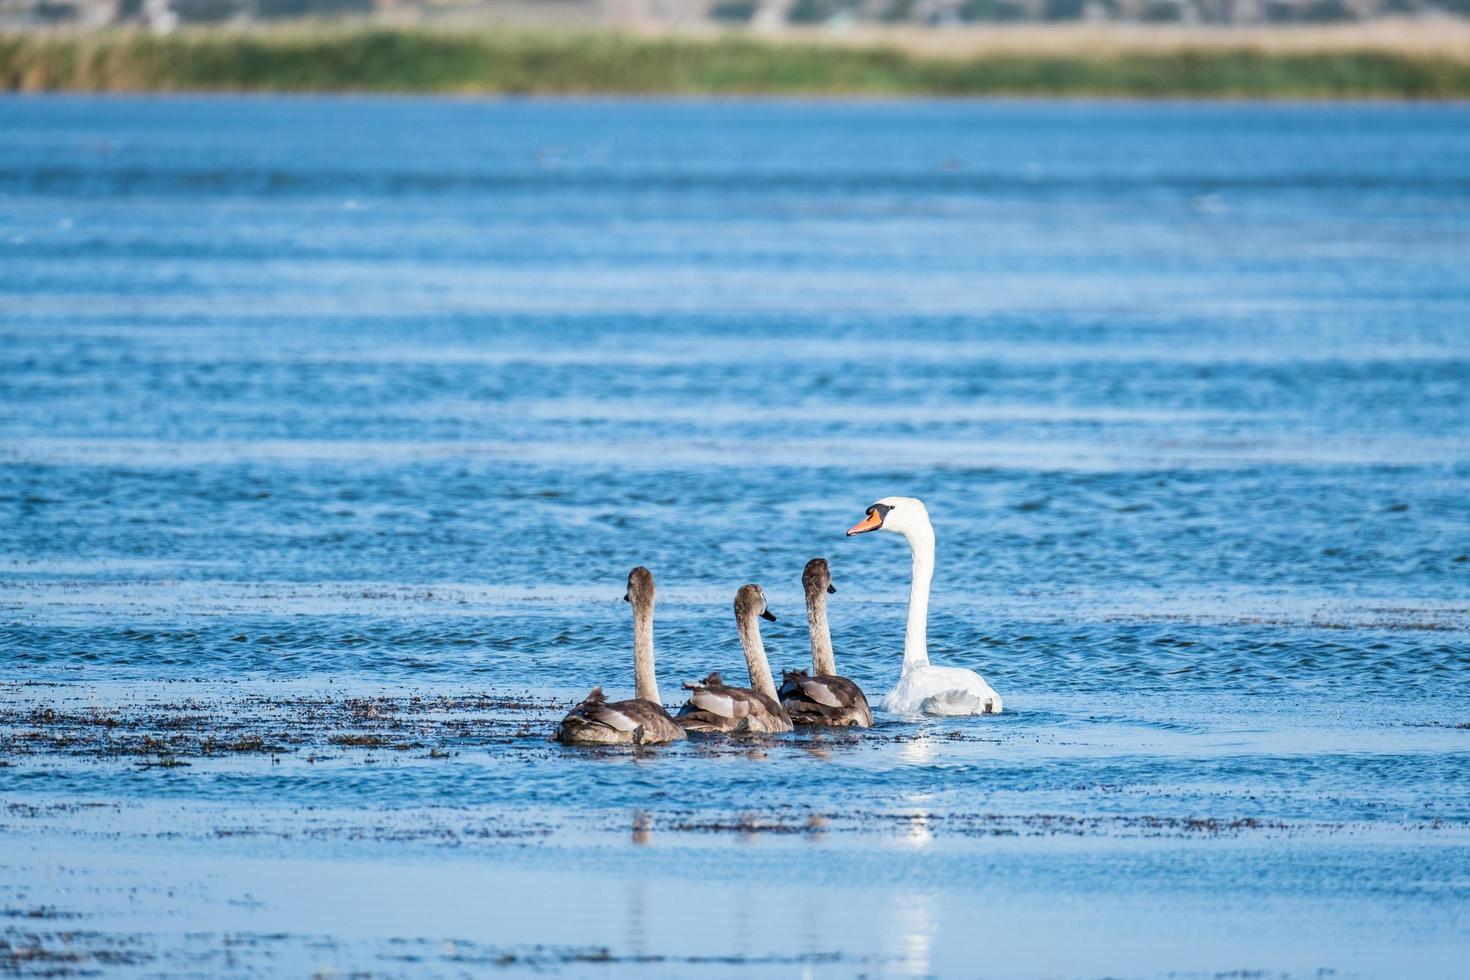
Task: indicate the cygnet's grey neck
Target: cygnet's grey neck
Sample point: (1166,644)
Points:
(755,652)
(823,661)
(643,673)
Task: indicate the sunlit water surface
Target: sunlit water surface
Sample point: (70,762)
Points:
(329,429)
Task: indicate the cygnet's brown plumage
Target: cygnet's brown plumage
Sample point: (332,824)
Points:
(642,720)
(714,706)
(822,697)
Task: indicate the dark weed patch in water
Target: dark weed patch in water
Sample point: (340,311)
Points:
(30,953)
(270,726)
(68,953)
(981,825)
(373,742)
(39,912)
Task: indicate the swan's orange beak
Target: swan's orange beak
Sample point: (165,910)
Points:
(872,522)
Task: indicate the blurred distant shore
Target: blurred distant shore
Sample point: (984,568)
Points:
(1393,59)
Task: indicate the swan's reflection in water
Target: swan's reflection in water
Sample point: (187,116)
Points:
(913,920)
(909,936)
(918,832)
(918,750)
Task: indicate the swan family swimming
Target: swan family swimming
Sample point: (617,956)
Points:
(820,697)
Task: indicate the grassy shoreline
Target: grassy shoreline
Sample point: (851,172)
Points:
(1279,65)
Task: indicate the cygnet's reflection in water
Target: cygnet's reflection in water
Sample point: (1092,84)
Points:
(817,750)
(812,934)
(637,923)
(754,748)
(642,827)
(816,828)
(827,745)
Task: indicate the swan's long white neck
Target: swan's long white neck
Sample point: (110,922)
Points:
(755,657)
(915,637)
(816,620)
(643,675)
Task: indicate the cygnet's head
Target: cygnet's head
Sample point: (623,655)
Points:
(817,577)
(640,587)
(750,601)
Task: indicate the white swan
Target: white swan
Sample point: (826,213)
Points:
(923,688)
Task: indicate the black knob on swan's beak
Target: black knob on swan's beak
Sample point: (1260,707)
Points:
(626,597)
(768,616)
(831,589)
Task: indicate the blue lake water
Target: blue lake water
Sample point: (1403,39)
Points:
(330,428)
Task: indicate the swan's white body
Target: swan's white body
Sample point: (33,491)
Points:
(930,690)
(922,688)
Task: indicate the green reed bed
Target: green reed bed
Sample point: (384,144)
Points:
(501,62)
